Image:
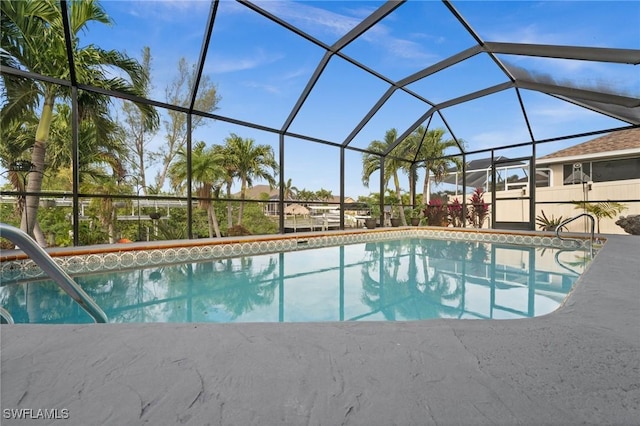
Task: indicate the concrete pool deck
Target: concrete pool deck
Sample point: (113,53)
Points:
(578,365)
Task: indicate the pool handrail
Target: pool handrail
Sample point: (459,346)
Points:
(29,246)
(6,315)
(561,263)
(571,219)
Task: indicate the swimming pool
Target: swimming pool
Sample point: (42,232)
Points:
(386,276)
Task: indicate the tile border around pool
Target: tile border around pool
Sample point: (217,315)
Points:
(87,259)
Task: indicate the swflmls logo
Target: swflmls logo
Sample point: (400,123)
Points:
(31,414)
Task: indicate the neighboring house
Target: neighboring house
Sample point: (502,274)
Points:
(609,158)
(601,169)
(272,195)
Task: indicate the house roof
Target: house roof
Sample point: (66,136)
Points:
(617,141)
(254,192)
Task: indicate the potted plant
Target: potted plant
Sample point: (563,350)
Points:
(415,215)
(374,212)
(548,224)
(395,220)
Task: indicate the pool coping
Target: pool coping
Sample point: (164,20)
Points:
(577,365)
(15,266)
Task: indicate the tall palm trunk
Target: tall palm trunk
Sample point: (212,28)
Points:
(34,185)
(229,206)
(412,186)
(243,190)
(213,221)
(426,191)
(396,182)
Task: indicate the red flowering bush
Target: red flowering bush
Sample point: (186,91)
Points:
(436,213)
(455,213)
(478,209)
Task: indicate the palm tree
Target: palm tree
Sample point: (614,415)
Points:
(427,147)
(207,175)
(606,209)
(104,208)
(290,191)
(324,194)
(33,40)
(306,195)
(250,161)
(371,164)
(230,174)
(102,146)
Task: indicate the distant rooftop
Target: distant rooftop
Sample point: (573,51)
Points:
(616,141)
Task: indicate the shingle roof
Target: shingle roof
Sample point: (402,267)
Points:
(616,141)
(254,192)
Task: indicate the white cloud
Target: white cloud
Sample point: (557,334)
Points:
(294,74)
(269,88)
(224,64)
(530,34)
(316,21)
(560,112)
(167,10)
(310,17)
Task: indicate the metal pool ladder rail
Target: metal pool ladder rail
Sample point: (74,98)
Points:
(53,270)
(571,219)
(6,315)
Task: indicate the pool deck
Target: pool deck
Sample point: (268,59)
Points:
(578,365)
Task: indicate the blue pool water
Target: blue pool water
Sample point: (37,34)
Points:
(409,279)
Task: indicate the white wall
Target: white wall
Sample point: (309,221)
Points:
(512,210)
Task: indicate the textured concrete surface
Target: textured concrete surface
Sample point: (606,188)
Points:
(578,365)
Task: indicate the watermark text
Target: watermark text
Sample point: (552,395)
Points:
(35,413)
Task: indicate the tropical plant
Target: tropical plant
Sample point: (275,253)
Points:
(436,213)
(428,147)
(249,162)
(306,195)
(104,209)
(102,153)
(456,215)
(33,40)
(393,201)
(290,191)
(324,194)
(417,211)
(207,176)
(230,174)
(256,222)
(605,209)
(102,148)
(478,209)
(547,224)
(371,163)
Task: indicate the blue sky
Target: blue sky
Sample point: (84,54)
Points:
(260,70)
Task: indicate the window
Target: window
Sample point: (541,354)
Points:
(581,174)
(604,171)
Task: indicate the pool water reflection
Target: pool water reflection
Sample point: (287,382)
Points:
(409,279)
